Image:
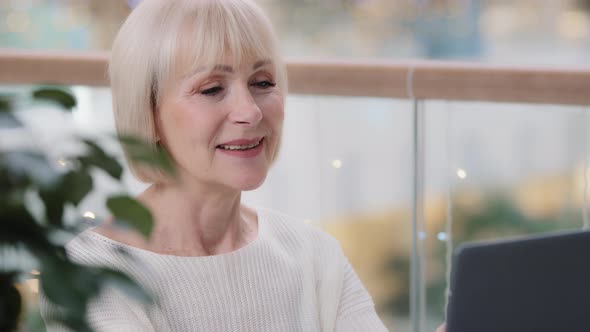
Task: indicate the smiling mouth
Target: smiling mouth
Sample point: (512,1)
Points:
(232,147)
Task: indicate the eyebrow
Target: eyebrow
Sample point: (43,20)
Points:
(224,68)
(229,69)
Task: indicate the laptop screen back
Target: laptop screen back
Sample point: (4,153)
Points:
(534,284)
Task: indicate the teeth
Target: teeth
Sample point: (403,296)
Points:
(239,147)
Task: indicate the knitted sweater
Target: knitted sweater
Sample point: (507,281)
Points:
(292,277)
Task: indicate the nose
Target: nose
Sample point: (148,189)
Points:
(244,109)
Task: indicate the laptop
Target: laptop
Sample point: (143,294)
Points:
(533,284)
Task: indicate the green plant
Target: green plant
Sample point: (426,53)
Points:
(25,174)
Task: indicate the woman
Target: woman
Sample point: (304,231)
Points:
(203,80)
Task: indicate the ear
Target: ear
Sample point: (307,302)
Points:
(157,126)
(157,131)
(155,110)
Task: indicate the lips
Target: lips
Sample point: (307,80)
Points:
(252,148)
(241,144)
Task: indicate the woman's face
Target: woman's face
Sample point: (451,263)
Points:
(222,125)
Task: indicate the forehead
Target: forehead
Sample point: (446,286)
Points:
(227,68)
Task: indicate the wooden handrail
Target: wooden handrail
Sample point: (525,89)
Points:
(35,67)
(370,78)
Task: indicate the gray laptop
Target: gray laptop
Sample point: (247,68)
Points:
(532,284)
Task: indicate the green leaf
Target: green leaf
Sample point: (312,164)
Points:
(71,188)
(68,285)
(98,158)
(6,103)
(10,303)
(130,212)
(54,201)
(13,184)
(18,226)
(145,153)
(73,286)
(57,95)
(76,185)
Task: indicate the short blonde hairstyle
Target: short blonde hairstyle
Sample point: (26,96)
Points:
(159,36)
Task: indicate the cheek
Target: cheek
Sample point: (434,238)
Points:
(274,110)
(188,126)
(176,126)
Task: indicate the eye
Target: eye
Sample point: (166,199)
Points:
(212,91)
(264,84)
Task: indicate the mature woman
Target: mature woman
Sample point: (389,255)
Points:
(203,80)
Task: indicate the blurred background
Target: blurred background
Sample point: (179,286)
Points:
(492,169)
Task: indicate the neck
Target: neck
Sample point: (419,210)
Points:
(197,223)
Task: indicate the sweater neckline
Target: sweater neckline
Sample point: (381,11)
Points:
(147,253)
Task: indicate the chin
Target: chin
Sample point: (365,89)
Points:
(249,183)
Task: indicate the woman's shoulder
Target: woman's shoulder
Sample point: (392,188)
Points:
(91,248)
(289,228)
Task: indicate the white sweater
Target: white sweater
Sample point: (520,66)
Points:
(292,277)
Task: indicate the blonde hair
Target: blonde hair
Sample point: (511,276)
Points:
(159,36)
